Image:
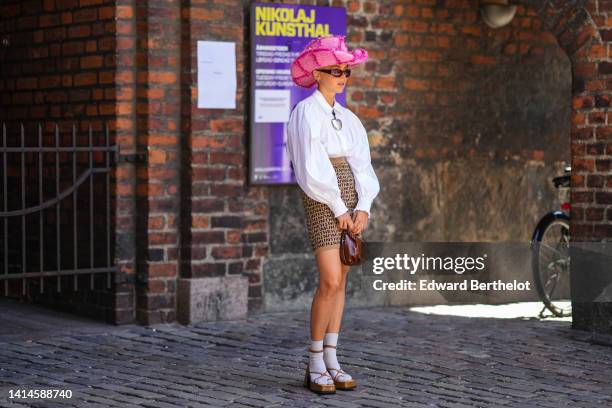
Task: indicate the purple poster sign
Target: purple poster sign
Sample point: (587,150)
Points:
(278,33)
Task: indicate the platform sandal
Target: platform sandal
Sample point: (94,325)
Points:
(341,385)
(316,387)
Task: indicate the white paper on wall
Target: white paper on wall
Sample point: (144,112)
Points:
(216,74)
(272,105)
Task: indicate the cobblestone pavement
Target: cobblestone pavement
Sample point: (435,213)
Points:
(399,357)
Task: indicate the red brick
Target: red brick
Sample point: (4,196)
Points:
(163,77)
(66,17)
(49,20)
(123,77)
(200,221)
(207,205)
(65,4)
(51,81)
(226,190)
(106,13)
(27,83)
(226,158)
(107,108)
(155,156)
(233,237)
(93,61)
(594,214)
(227,125)
(106,77)
(71,48)
(208,237)
(583,165)
(156,286)
(208,173)
(198,142)
(162,270)
(581,197)
(206,14)
(595,180)
(79,31)
(208,269)
(162,140)
(416,84)
(161,174)
(253,264)
(603,197)
(85,15)
(603,165)
(125,43)
(236,173)
(84,79)
(124,12)
(226,252)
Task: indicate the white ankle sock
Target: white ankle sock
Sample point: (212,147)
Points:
(330,359)
(317,364)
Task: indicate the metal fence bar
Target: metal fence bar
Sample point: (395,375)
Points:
(49,203)
(49,149)
(5,220)
(58,221)
(56,273)
(74,207)
(40,216)
(23,205)
(91,213)
(31,166)
(108,218)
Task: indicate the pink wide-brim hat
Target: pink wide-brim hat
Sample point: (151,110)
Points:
(321,52)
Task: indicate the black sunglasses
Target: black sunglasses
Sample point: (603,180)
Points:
(337,72)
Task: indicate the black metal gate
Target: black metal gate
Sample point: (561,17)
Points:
(56,207)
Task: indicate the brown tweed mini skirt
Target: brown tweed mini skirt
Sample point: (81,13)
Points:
(323,230)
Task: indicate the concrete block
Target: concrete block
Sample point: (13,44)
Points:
(212,299)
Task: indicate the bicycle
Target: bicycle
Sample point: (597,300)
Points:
(550,259)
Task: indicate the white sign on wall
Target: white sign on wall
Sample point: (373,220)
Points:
(216,61)
(272,105)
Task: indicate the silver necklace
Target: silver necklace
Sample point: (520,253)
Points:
(336,123)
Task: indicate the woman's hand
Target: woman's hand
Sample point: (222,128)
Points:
(360,221)
(345,221)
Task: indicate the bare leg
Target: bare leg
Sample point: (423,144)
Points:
(332,333)
(325,300)
(337,311)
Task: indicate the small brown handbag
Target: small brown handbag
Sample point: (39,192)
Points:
(351,246)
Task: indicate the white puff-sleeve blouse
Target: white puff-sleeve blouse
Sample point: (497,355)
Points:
(312,140)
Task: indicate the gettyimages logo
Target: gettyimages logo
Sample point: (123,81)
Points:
(447,272)
(411,264)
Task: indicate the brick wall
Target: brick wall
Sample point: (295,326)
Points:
(148,121)
(448,101)
(227,233)
(591,131)
(57,62)
(467,125)
(187,212)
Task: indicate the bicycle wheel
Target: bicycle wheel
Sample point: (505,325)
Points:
(550,261)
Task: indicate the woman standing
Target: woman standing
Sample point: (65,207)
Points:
(329,150)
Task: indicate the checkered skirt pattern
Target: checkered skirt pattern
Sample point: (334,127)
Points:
(323,230)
